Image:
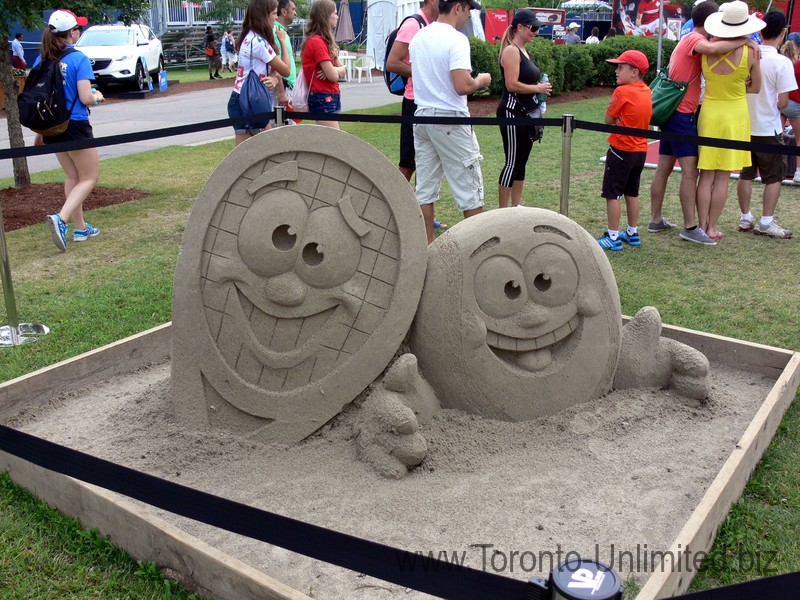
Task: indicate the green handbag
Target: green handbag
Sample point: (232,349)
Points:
(667,95)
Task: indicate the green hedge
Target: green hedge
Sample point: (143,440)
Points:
(571,67)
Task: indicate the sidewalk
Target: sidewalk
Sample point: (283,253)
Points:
(181,109)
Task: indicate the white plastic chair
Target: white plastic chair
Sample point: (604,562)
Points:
(364,64)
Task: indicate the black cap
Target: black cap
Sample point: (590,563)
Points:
(474,4)
(526,17)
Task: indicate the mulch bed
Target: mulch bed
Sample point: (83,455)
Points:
(32,204)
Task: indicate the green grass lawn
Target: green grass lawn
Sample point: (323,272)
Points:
(121,283)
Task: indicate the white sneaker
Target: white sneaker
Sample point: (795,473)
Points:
(796,177)
(772,230)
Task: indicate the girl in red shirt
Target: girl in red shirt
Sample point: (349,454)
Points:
(321,64)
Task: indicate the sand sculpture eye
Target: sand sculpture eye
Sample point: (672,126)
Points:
(269,234)
(500,287)
(330,250)
(551,275)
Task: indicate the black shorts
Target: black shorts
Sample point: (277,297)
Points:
(622,173)
(76,131)
(407,155)
(771,167)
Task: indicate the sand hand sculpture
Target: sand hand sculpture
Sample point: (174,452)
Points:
(299,275)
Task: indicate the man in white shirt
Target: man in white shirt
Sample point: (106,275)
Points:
(17,53)
(441,69)
(777,80)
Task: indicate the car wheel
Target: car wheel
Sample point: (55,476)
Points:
(160,65)
(139,78)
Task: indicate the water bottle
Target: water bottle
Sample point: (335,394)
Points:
(542,96)
(96,102)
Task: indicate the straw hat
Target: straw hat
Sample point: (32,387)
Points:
(733,20)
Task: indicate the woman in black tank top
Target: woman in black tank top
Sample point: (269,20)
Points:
(521,83)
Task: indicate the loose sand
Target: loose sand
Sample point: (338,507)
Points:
(614,474)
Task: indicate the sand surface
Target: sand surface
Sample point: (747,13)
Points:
(612,475)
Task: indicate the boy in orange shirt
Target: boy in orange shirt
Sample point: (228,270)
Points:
(630,106)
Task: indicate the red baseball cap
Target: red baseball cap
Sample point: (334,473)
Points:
(635,58)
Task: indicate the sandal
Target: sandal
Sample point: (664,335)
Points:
(438,225)
(717,236)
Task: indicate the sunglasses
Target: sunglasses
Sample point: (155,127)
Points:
(77,28)
(531,28)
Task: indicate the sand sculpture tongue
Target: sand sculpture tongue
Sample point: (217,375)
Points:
(534,360)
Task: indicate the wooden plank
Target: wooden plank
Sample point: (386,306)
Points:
(147,347)
(700,530)
(199,566)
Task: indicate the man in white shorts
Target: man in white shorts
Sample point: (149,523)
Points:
(441,71)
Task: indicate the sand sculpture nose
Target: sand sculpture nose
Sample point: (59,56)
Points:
(287,289)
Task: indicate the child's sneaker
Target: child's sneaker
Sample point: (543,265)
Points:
(81,235)
(632,239)
(58,229)
(606,243)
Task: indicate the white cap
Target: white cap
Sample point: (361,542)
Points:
(63,20)
(573,25)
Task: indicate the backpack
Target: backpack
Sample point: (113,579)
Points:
(395,82)
(43,103)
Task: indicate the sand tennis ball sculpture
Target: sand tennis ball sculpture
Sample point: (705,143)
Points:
(300,272)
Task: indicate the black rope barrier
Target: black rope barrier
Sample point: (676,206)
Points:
(429,575)
(127,138)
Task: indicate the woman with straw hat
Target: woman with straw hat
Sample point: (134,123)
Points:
(729,77)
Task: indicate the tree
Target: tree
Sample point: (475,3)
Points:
(30,14)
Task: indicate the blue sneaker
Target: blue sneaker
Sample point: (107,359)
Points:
(81,235)
(606,243)
(58,229)
(439,225)
(630,239)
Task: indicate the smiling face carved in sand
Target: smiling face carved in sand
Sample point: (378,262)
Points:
(519,316)
(285,304)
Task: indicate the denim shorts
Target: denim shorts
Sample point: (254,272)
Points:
(234,112)
(792,110)
(324,102)
(681,123)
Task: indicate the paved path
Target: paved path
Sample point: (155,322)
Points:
(181,109)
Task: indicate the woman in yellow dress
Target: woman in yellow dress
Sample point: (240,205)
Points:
(729,77)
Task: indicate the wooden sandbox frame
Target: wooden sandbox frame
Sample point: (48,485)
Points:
(205,569)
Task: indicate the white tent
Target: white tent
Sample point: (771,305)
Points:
(383,16)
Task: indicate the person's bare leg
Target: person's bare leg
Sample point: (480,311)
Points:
(87,164)
(503,196)
(407,172)
(71,178)
(744,192)
(632,208)
(704,198)
(516,193)
(771,194)
(658,186)
(688,190)
(614,212)
(427,214)
(472,212)
(332,124)
(719,196)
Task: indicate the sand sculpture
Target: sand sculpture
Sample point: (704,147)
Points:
(302,267)
(300,272)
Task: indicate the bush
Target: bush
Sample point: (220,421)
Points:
(485,60)
(571,68)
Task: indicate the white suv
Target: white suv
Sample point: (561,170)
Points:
(119,53)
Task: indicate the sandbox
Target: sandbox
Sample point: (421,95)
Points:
(616,479)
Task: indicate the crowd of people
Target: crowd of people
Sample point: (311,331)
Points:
(750,89)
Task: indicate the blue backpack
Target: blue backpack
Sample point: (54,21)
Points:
(394,81)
